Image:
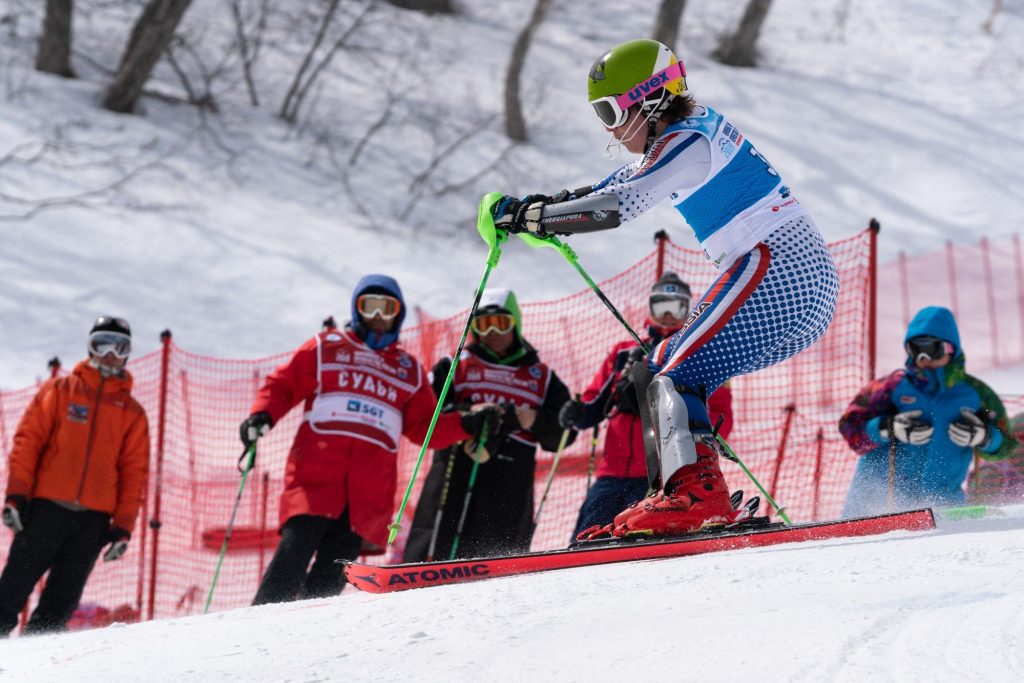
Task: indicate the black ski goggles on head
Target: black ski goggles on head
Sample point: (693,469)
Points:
(928,348)
(102,343)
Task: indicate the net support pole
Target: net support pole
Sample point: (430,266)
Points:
(874,226)
(990,299)
(818,457)
(154,522)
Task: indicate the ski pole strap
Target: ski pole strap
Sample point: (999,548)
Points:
(729,453)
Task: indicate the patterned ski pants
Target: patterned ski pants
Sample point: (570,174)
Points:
(768,306)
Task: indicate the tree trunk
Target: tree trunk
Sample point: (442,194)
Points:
(739,49)
(54,55)
(666,24)
(150,36)
(426,6)
(515,124)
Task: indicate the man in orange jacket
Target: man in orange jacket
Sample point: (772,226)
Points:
(75,481)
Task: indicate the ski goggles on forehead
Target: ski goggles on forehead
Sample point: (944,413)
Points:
(929,348)
(378,305)
(493,322)
(678,306)
(102,343)
(613,110)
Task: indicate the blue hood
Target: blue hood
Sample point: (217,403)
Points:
(934,321)
(381,284)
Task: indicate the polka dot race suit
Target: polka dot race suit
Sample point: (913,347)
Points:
(778,287)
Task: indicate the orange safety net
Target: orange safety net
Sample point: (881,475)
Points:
(785,431)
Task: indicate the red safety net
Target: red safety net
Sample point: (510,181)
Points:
(785,431)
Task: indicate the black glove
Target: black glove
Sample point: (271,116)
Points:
(624,391)
(521,215)
(118,539)
(570,414)
(254,426)
(907,427)
(473,422)
(509,419)
(15,513)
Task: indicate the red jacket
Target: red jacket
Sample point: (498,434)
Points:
(358,402)
(624,443)
(83,440)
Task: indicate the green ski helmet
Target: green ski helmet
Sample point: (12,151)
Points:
(634,73)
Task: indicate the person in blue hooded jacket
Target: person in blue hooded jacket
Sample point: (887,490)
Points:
(361,392)
(917,429)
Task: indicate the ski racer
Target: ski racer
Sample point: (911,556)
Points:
(776,292)
(922,424)
(361,392)
(498,366)
(622,474)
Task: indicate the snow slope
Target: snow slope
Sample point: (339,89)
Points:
(946,605)
(240,234)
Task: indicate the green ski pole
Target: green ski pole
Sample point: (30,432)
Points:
(493,237)
(729,453)
(569,255)
(246,468)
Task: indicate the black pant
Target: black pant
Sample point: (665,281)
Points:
(66,543)
(302,536)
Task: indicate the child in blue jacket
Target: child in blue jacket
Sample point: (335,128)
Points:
(932,415)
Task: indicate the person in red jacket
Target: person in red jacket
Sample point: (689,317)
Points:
(75,482)
(361,392)
(621,477)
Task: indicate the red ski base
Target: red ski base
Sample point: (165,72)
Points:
(398,577)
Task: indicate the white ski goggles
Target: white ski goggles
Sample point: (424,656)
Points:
(102,343)
(613,110)
(677,306)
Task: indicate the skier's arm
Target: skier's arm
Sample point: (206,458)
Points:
(1000,443)
(31,438)
(545,427)
(288,384)
(418,411)
(132,472)
(598,393)
(859,425)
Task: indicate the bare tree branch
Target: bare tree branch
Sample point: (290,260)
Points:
(304,88)
(515,124)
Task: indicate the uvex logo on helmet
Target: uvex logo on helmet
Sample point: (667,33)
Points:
(647,87)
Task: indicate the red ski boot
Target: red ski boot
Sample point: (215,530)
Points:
(696,497)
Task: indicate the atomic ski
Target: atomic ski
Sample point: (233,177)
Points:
(751,533)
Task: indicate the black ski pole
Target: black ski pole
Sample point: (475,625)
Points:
(551,478)
(441,503)
(469,492)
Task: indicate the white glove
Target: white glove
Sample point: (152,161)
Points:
(968,429)
(908,428)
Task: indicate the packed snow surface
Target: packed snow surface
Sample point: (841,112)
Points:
(943,605)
